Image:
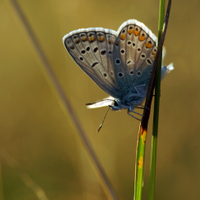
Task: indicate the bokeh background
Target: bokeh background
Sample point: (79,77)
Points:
(39,138)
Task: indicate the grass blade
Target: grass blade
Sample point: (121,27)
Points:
(156,109)
(156,104)
(54,83)
(140,152)
(38,191)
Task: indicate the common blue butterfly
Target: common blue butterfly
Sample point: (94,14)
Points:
(120,63)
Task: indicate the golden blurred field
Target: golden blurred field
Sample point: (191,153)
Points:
(40,136)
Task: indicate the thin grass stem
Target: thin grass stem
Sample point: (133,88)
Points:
(156,108)
(1,182)
(140,152)
(60,93)
(38,191)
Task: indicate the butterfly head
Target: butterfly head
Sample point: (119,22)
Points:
(116,105)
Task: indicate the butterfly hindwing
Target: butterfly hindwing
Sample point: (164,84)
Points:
(134,52)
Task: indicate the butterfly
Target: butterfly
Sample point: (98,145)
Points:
(120,63)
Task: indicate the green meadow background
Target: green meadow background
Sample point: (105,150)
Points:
(38,139)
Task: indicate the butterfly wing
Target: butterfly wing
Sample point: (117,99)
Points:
(105,102)
(92,50)
(134,52)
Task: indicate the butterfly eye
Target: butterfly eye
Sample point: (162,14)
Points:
(115,103)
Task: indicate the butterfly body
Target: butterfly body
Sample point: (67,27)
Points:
(119,62)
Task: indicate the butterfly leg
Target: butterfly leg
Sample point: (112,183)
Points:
(128,112)
(141,107)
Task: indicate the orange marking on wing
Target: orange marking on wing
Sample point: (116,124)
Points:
(91,38)
(84,39)
(123,36)
(101,38)
(154,54)
(148,45)
(77,41)
(141,38)
(130,31)
(136,32)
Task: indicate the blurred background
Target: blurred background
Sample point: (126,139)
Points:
(38,137)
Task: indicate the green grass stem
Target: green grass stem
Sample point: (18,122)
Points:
(156,109)
(140,151)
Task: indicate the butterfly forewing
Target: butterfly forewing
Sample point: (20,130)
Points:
(92,50)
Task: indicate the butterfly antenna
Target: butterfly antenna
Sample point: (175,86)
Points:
(103,120)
